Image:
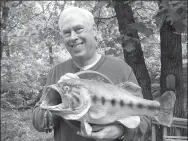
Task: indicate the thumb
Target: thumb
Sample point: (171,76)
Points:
(67,76)
(71,75)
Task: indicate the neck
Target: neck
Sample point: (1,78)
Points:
(86,61)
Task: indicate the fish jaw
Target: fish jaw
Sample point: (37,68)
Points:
(78,112)
(54,99)
(68,101)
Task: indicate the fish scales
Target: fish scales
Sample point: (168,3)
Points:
(123,103)
(115,103)
(130,101)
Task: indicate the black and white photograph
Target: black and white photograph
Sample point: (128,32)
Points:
(103,70)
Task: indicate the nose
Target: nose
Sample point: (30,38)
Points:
(73,36)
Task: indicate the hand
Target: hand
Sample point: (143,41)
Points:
(105,132)
(67,76)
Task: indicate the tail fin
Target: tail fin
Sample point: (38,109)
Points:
(167,101)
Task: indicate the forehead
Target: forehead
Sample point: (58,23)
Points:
(72,20)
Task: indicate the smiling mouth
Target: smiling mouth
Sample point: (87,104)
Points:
(77,45)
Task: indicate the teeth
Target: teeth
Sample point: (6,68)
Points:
(78,45)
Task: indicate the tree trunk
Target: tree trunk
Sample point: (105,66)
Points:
(171,66)
(5,44)
(132,50)
(49,45)
(3,26)
(133,54)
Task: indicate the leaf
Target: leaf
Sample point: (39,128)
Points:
(110,51)
(99,5)
(13,10)
(141,27)
(159,21)
(126,2)
(137,26)
(109,5)
(161,13)
(174,16)
(160,16)
(144,40)
(129,1)
(179,26)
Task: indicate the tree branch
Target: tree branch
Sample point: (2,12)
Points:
(144,8)
(105,18)
(139,15)
(62,8)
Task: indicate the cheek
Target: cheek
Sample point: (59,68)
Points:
(66,42)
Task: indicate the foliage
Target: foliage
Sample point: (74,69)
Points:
(18,126)
(144,23)
(175,12)
(31,28)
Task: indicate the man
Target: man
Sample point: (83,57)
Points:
(78,32)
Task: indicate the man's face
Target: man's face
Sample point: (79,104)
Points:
(78,36)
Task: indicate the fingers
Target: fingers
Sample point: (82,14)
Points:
(94,135)
(67,76)
(98,133)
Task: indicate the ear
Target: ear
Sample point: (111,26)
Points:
(95,31)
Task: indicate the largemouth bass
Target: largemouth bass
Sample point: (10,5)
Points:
(90,101)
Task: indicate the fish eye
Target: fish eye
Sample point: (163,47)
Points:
(66,88)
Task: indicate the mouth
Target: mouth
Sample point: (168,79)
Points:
(54,101)
(79,45)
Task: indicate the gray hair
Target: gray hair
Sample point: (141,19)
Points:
(71,10)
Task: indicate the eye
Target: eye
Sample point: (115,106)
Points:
(66,33)
(79,30)
(66,88)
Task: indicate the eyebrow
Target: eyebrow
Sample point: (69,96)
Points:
(76,26)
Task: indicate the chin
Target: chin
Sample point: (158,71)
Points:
(78,55)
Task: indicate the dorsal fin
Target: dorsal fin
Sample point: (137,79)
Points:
(131,87)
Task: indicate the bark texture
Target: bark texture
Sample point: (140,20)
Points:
(171,67)
(132,50)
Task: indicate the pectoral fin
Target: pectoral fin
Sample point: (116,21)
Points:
(130,122)
(97,112)
(86,129)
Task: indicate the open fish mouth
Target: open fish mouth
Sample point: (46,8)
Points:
(58,100)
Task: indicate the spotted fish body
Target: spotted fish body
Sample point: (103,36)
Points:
(90,101)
